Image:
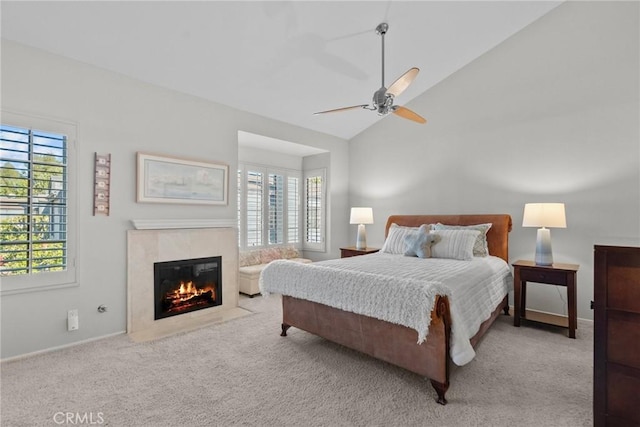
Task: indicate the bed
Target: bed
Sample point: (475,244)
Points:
(386,337)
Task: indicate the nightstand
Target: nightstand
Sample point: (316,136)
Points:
(557,275)
(352,251)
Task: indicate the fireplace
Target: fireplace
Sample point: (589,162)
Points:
(187,285)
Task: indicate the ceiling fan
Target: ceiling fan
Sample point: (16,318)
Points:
(383,97)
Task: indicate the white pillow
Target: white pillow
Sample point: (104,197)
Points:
(481,247)
(454,244)
(394,244)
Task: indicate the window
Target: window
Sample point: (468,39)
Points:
(315,209)
(36,214)
(255,192)
(293,209)
(268,206)
(276,209)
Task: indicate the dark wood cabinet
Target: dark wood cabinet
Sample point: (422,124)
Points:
(616,365)
(352,251)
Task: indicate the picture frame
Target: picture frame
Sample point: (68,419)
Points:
(165,179)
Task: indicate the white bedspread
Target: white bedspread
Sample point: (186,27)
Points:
(400,290)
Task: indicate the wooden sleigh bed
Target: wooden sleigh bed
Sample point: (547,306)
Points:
(395,343)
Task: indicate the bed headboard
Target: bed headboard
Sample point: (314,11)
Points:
(497,236)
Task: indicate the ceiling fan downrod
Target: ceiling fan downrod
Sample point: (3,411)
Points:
(381,30)
(382,101)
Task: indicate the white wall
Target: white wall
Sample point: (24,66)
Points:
(119,115)
(275,159)
(549,115)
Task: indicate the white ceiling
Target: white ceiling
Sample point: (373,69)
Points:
(282,60)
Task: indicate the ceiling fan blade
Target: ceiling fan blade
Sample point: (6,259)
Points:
(403,82)
(408,114)
(343,109)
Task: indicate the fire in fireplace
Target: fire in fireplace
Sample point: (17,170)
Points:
(187,285)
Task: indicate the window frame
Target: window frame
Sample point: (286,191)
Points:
(321,245)
(13,284)
(265,170)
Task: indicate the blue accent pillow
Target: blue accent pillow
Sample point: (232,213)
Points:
(418,243)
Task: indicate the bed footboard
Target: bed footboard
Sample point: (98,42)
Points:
(386,341)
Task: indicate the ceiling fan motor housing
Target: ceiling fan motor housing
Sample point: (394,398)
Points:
(382,101)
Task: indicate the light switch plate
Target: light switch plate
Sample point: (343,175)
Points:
(72,320)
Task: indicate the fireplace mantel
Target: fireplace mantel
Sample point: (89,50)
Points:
(167,224)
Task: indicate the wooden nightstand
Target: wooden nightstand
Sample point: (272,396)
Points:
(556,274)
(352,251)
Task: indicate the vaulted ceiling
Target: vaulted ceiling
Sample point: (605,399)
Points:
(282,60)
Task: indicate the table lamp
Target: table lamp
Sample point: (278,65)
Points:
(544,215)
(361,216)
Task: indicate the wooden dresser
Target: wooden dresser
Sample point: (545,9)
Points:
(616,365)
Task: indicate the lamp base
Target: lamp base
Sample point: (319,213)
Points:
(544,256)
(361,242)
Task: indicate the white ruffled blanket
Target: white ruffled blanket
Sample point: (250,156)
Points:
(400,290)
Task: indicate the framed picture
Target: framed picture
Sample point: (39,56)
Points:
(163,179)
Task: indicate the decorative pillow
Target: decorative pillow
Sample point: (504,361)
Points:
(288,252)
(454,244)
(268,255)
(418,243)
(249,258)
(394,244)
(481,247)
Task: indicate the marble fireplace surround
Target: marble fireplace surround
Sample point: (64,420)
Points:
(168,240)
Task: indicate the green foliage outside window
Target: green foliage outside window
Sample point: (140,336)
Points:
(46,255)
(32,194)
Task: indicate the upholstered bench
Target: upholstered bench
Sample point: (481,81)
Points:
(252,262)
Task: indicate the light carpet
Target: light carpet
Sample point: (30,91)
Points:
(243,373)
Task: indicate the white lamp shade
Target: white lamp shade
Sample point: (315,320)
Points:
(544,215)
(361,216)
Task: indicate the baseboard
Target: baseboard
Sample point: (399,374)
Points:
(554,316)
(60,347)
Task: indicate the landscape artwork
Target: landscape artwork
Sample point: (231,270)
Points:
(164,179)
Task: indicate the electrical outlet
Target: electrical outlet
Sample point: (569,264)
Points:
(72,320)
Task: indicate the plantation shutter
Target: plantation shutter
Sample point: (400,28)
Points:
(33,191)
(255,190)
(269,206)
(276,208)
(314,210)
(293,209)
(239,207)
